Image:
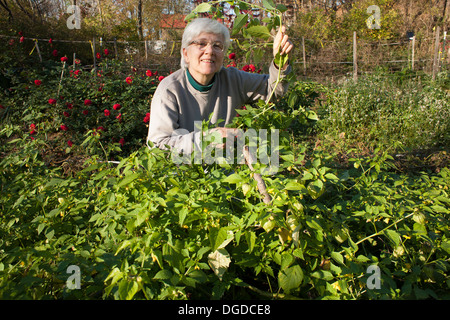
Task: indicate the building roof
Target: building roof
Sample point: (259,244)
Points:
(172,21)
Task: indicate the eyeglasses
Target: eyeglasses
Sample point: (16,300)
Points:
(202,44)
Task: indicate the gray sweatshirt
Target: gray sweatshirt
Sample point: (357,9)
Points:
(176,105)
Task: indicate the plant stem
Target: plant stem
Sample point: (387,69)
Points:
(381,231)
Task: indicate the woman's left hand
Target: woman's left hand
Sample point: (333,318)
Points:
(281,42)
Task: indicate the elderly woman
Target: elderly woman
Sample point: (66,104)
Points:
(203,86)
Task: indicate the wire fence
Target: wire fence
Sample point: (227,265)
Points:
(312,59)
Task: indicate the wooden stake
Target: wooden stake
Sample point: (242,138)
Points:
(436,55)
(260,182)
(304,56)
(93,53)
(115,47)
(355,59)
(38,51)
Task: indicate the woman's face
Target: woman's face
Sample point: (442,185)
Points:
(204,60)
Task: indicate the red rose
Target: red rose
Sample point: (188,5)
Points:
(107,113)
(87,102)
(66,114)
(252,68)
(232,56)
(64,59)
(63,127)
(32,132)
(101,128)
(147,117)
(117,106)
(129,80)
(122,141)
(55,53)
(69,105)
(98,55)
(119,117)
(21,39)
(106,52)
(52,101)
(37,82)
(77,72)
(246,68)
(85,112)
(70,143)
(50,40)
(149,73)
(160,78)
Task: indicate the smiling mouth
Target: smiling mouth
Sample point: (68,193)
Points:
(207,61)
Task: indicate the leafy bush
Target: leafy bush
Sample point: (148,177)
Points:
(381,110)
(148,228)
(151,229)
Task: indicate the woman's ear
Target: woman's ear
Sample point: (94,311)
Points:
(185,56)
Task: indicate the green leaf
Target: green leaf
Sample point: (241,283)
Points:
(291,278)
(239,22)
(446,246)
(203,7)
(323,275)
(127,289)
(182,215)
(234,178)
(41,227)
(124,244)
(337,257)
(259,32)
(163,275)
(393,236)
(49,235)
(128,179)
(293,186)
(332,177)
(217,237)
(250,237)
(316,189)
(269,4)
(281,8)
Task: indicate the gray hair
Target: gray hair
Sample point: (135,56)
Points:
(200,25)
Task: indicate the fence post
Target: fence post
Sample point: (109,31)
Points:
(443,48)
(304,56)
(93,53)
(413,44)
(146,50)
(436,54)
(115,47)
(355,58)
(38,51)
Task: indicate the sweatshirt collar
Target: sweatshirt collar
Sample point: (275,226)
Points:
(198,86)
